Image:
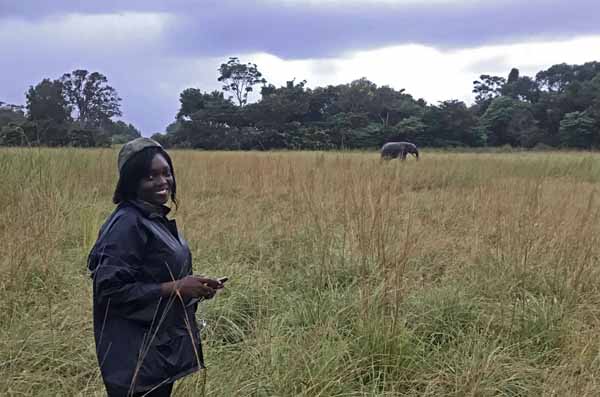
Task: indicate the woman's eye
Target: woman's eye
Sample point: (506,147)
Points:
(166,174)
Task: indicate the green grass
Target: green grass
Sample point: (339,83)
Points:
(463,274)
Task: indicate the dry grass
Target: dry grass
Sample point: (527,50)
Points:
(459,275)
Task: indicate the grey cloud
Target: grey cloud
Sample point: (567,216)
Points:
(312,32)
(216,28)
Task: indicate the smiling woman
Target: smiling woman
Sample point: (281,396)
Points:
(145,296)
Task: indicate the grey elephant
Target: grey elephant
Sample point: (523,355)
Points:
(399,150)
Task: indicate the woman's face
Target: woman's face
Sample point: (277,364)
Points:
(155,188)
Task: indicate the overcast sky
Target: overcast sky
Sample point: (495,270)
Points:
(151,50)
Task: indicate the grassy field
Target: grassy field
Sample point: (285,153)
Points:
(458,275)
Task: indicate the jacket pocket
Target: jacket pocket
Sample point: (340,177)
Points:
(180,352)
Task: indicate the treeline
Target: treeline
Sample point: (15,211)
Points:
(559,107)
(75,110)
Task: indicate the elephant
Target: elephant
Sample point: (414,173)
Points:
(398,150)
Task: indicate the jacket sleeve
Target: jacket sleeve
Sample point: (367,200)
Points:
(118,276)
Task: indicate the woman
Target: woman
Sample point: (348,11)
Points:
(145,295)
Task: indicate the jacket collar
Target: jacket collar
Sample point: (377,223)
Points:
(150,210)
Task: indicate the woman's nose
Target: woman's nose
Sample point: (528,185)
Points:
(162,180)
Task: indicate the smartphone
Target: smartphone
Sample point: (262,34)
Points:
(222,279)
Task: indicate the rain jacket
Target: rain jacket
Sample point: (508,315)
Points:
(142,339)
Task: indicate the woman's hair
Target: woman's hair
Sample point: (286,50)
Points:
(136,168)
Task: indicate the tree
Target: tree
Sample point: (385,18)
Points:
(163,139)
(513,76)
(49,113)
(523,88)
(510,122)
(280,105)
(486,89)
(11,114)
(12,135)
(193,100)
(409,129)
(357,97)
(239,78)
(46,101)
(389,106)
(90,95)
(450,123)
(120,132)
(555,78)
(566,89)
(577,129)
(87,137)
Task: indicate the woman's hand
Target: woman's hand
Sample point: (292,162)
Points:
(212,283)
(192,287)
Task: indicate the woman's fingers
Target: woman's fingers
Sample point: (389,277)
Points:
(207,292)
(212,283)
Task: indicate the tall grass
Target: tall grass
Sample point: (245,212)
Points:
(460,275)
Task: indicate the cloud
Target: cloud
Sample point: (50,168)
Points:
(300,29)
(427,72)
(85,34)
(493,65)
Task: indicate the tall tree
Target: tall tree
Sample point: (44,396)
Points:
(485,90)
(556,78)
(90,95)
(488,87)
(46,101)
(523,88)
(49,114)
(239,78)
(513,75)
(357,97)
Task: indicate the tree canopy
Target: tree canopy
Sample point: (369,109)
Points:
(239,78)
(75,110)
(91,97)
(559,107)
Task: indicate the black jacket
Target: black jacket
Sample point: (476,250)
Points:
(142,339)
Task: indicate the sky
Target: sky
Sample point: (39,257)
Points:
(151,50)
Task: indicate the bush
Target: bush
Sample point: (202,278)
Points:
(12,135)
